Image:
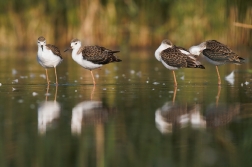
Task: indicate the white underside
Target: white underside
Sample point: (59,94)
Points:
(47,59)
(84,63)
(216,63)
(81,110)
(168,67)
(47,112)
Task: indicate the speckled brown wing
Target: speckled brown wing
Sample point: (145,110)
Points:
(173,57)
(99,55)
(224,57)
(218,47)
(54,49)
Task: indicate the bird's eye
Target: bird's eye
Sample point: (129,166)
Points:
(76,43)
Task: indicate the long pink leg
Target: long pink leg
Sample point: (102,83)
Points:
(93,77)
(219,79)
(48,82)
(174,76)
(56,75)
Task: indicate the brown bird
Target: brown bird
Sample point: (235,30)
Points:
(173,57)
(91,57)
(217,54)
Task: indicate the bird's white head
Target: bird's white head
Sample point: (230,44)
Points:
(75,44)
(196,50)
(164,45)
(41,42)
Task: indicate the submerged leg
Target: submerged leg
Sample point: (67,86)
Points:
(48,82)
(92,77)
(219,79)
(55,95)
(218,95)
(92,93)
(56,78)
(174,77)
(174,94)
(47,90)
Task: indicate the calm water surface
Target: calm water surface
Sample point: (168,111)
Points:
(133,117)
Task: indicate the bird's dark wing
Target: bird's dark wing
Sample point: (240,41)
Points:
(99,55)
(173,57)
(54,49)
(222,56)
(218,47)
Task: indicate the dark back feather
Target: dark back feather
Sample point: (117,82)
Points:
(99,55)
(225,57)
(175,58)
(54,49)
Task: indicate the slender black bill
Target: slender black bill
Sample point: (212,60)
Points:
(42,47)
(70,48)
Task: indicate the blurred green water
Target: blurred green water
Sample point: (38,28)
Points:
(126,130)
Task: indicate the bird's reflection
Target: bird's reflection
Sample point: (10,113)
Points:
(89,112)
(221,114)
(178,115)
(174,115)
(86,113)
(48,111)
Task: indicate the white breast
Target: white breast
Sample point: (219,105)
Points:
(84,63)
(47,59)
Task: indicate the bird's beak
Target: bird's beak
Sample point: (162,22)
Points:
(42,47)
(70,48)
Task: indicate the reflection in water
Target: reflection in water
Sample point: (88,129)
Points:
(47,112)
(221,114)
(173,115)
(230,78)
(86,113)
(92,93)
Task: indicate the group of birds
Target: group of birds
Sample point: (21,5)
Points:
(172,57)
(89,57)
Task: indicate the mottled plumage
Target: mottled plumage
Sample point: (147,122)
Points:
(217,54)
(98,55)
(54,49)
(91,57)
(174,57)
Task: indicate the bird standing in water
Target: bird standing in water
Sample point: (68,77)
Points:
(91,57)
(173,58)
(217,54)
(48,56)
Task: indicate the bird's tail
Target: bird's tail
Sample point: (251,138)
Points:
(114,51)
(200,66)
(118,60)
(240,61)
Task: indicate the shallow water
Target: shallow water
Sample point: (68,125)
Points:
(132,117)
